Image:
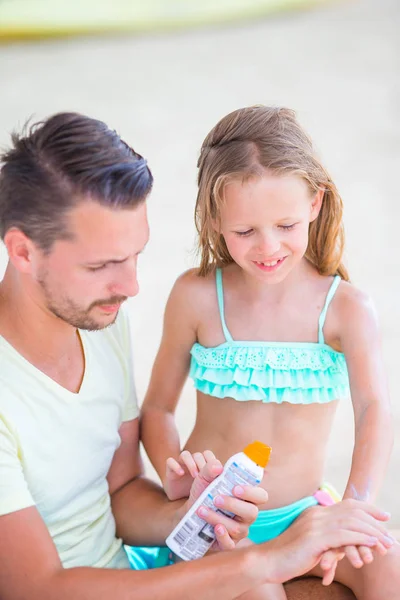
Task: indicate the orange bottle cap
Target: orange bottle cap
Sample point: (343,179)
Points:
(258,453)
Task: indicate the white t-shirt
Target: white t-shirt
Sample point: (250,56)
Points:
(56,447)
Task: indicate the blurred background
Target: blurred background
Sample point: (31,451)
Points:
(163,78)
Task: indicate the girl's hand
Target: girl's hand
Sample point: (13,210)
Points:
(180,473)
(328,563)
(358,556)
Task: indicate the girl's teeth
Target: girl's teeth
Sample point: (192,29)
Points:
(269,264)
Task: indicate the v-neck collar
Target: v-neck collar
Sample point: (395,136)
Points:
(42,375)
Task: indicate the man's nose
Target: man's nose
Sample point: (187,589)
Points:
(127,284)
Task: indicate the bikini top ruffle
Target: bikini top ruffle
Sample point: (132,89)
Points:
(296,372)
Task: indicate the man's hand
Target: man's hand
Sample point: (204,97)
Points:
(229,532)
(320,529)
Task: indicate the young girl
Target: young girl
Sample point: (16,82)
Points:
(274,336)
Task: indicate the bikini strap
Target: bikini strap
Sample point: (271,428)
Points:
(220,296)
(322,317)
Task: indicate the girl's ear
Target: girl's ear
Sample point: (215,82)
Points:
(215,225)
(316,204)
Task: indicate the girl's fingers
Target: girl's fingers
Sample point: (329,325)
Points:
(187,459)
(209,455)
(174,466)
(328,559)
(354,557)
(211,470)
(192,462)
(380,549)
(366,554)
(329,575)
(199,460)
(328,564)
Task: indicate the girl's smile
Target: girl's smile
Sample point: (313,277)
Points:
(269,266)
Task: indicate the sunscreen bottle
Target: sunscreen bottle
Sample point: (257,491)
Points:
(193,536)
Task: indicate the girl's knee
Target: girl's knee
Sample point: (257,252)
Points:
(382,577)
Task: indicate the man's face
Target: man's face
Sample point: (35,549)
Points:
(84,280)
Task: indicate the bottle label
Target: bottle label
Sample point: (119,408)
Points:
(194,536)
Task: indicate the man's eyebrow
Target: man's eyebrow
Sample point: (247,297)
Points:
(106,261)
(115,261)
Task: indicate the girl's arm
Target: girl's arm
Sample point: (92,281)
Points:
(158,429)
(361,344)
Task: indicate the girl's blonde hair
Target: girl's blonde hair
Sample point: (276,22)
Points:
(242,145)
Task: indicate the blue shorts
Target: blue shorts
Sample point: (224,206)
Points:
(271,523)
(142,559)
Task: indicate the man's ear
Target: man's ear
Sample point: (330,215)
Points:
(316,204)
(21,250)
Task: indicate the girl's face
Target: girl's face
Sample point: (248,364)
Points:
(265,221)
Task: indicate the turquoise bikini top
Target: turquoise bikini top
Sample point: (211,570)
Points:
(295,372)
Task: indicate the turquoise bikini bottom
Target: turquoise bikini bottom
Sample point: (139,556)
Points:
(271,523)
(268,525)
(142,559)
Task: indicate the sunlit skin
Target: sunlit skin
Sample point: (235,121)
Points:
(44,299)
(96,271)
(263,220)
(272,293)
(266,219)
(79,284)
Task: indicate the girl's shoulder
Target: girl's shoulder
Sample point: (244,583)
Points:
(191,280)
(350,312)
(351,308)
(350,300)
(194,288)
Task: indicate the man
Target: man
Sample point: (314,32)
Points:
(73,219)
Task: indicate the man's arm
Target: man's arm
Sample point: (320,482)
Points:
(30,566)
(319,530)
(143,514)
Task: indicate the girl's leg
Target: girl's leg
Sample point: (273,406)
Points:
(379,580)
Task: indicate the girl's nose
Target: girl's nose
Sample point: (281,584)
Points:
(268,245)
